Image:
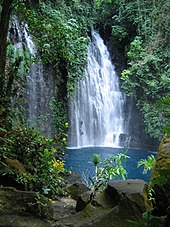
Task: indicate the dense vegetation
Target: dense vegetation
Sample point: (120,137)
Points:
(61,31)
(142,28)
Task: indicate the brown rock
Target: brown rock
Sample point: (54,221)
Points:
(161,191)
(83,200)
(75,186)
(61,209)
(77,189)
(19,208)
(16,201)
(22,209)
(72,178)
(105,199)
(15,165)
(163,156)
(132,197)
(122,200)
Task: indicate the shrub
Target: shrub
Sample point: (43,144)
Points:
(107,169)
(43,165)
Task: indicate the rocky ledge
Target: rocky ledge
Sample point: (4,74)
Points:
(113,207)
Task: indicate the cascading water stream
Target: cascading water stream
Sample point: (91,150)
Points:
(36,87)
(39,83)
(99,114)
(96,113)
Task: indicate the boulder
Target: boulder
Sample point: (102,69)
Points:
(161,191)
(77,189)
(17,201)
(75,186)
(120,201)
(163,156)
(9,168)
(132,196)
(105,199)
(72,178)
(61,209)
(21,208)
(112,207)
(83,200)
(15,220)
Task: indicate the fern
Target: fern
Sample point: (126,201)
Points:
(147,163)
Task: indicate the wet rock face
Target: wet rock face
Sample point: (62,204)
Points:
(161,191)
(163,156)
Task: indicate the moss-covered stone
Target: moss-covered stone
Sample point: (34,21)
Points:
(161,184)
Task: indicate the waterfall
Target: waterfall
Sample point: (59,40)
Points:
(96,113)
(39,81)
(36,87)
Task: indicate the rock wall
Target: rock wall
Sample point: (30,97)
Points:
(160,181)
(163,156)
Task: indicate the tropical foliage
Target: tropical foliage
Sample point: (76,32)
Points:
(32,160)
(141,30)
(60,30)
(147,163)
(107,169)
(148,74)
(61,37)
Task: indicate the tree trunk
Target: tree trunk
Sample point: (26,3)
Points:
(4,24)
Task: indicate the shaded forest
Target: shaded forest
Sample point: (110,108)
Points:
(61,32)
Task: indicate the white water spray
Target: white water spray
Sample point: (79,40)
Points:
(39,82)
(96,114)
